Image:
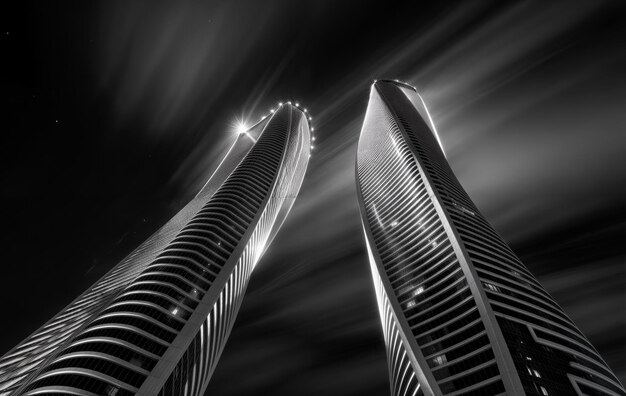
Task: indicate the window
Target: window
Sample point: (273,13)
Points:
(439,360)
(137,361)
(544,391)
(533,372)
(491,287)
(463,209)
(418,291)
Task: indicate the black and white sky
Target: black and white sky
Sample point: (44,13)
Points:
(114,112)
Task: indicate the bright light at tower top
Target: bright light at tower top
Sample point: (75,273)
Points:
(241,127)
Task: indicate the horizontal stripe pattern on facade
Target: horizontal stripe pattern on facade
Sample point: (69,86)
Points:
(403,379)
(190,377)
(550,354)
(36,350)
(513,292)
(190,284)
(419,262)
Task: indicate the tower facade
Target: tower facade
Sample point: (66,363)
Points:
(157,323)
(461,314)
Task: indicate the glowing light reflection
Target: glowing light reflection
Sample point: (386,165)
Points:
(432,124)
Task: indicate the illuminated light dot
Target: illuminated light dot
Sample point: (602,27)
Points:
(288,102)
(304,110)
(297,104)
(241,127)
(280,103)
(312,129)
(264,117)
(272,111)
(310,118)
(313,138)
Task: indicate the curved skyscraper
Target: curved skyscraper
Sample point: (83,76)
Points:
(461,314)
(156,324)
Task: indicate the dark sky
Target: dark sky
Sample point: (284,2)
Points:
(114,111)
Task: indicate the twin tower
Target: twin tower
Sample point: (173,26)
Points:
(460,314)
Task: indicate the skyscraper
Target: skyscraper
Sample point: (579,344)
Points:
(158,321)
(461,314)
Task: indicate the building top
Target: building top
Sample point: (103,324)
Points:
(418,102)
(398,83)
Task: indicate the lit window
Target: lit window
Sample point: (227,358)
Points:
(406,288)
(536,373)
(439,360)
(175,311)
(418,291)
(394,223)
(544,391)
(491,287)
(137,361)
(463,209)
(411,304)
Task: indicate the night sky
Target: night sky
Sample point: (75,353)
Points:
(114,112)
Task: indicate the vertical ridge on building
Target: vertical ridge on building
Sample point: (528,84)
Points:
(473,320)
